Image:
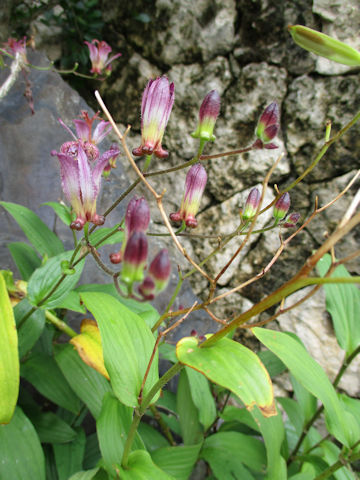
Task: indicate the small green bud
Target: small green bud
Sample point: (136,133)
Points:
(324,46)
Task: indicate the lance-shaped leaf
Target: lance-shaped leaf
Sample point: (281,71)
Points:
(232,366)
(21,455)
(88,345)
(88,384)
(25,258)
(301,364)
(177,461)
(127,346)
(46,277)
(39,235)
(112,428)
(343,304)
(9,357)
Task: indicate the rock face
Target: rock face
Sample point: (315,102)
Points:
(242,49)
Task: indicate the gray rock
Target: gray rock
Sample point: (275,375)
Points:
(309,104)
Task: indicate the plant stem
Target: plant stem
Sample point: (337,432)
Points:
(130,438)
(60,324)
(159,384)
(138,413)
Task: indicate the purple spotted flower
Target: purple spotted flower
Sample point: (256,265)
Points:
(99,52)
(208,114)
(157,102)
(81,167)
(195,183)
(14,46)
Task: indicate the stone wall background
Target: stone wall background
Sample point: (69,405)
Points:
(241,48)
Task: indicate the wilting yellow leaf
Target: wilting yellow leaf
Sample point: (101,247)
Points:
(88,345)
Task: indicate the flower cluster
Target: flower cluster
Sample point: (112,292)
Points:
(134,252)
(14,46)
(81,168)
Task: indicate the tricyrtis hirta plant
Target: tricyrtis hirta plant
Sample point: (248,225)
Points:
(98,407)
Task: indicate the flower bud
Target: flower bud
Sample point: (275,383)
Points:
(268,126)
(252,204)
(156,106)
(160,269)
(137,216)
(158,276)
(134,259)
(208,114)
(324,46)
(291,220)
(195,183)
(282,206)
(147,289)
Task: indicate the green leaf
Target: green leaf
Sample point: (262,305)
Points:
(42,371)
(38,234)
(343,304)
(331,455)
(69,456)
(307,402)
(92,451)
(72,302)
(101,233)
(61,210)
(228,452)
(46,277)
(300,363)
(232,366)
(240,415)
(25,258)
(52,429)
(351,405)
(273,432)
(112,428)
(294,413)
(85,475)
(143,309)
(141,467)
(202,397)
(21,455)
(177,461)
(9,357)
(191,430)
(272,363)
(127,346)
(31,330)
(167,352)
(86,382)
(151,437)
